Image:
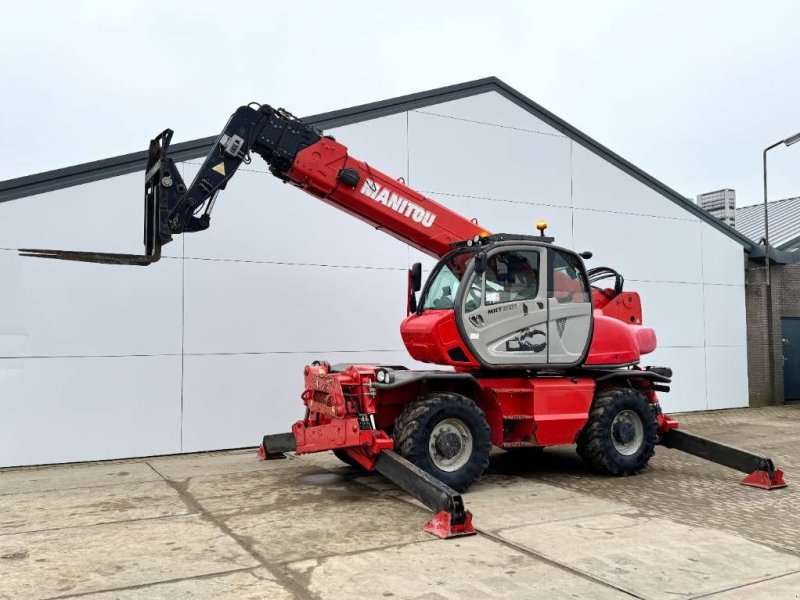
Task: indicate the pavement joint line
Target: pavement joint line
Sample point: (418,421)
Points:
(288,583)
(109,462)
(517,547)
(744,585)
(625,511)
(103,524)
(678,519)
(527,551)
(77,487)
(322,557)
(564,567)
(140,586)
(675,518)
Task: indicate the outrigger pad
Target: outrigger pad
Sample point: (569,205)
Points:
(760,478)
(442,525)
(276,445)
(762,471)
(452,519)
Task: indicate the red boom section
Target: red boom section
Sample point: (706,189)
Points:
(378,199)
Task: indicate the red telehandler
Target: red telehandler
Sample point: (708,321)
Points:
(540,353)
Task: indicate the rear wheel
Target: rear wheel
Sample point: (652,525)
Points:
(619,437)
(446,435)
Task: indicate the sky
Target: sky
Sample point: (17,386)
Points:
(691,92)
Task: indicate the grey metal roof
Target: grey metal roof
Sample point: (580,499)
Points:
(30,185)
(784,222)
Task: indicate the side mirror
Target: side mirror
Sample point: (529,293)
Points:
(412,303)
(414,285)
(415,275)
(480,263)
(585,255)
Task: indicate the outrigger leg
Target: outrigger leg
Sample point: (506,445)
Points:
(761,471)
(451,518)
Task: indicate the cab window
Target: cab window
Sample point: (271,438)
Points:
(511,276)
(568,283)
(441,291)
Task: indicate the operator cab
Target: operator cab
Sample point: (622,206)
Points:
(504,302)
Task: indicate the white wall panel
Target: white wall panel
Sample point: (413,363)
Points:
(63,308)
(470,159)
(232,401)
(727,377)
(723,258)
(259,307)
(641,248)
(513,217)
(492,108)
(599,185)
(383,143)
(688,387)
(674,310)
(14,338)
(257,217)
(74,409)
(725,316)
(501,216)
(101,216)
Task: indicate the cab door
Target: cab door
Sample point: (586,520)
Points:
(570,308)
(504,310)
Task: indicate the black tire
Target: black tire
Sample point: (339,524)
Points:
(415,425)
(601,439)
(343,456)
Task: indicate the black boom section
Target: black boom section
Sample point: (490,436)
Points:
(171,207)
(273,134)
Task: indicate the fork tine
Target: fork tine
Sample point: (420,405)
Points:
(93,257)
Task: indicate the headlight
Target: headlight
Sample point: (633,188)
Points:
(381,376)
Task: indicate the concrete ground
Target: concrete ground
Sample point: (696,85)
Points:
(228,526)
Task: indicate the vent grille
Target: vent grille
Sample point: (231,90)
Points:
(561,325)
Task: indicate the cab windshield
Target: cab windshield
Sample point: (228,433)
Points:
(441,291)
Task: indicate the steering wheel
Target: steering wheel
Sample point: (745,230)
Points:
(566,298)
(473,295)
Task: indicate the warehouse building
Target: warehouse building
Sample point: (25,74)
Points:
(205,349)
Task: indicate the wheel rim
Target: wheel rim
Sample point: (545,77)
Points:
(627,432)
(450,444)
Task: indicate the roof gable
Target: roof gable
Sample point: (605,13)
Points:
(129,163)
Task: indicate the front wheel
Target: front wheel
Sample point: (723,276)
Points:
(620,435)
(447,435)
(343,456)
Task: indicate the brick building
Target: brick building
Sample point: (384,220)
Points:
(779,303)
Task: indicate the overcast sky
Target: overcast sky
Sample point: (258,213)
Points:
(690,91)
